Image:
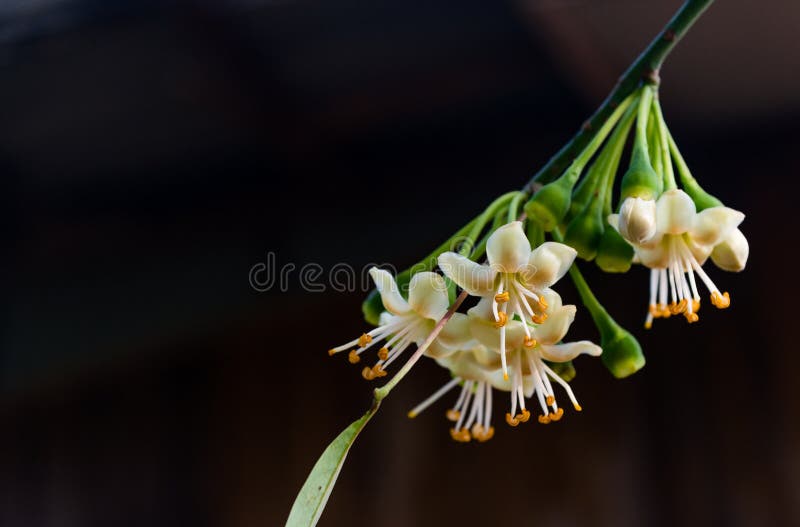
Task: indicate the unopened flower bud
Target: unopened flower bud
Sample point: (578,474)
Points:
(614,255)
(550,204)
(637,219)
(622,354)
(731,254)
(585,231)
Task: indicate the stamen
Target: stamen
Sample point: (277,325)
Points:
(364,339)
(721,301)
(383,353)
(453,415)
(529,342)
(524,416)
(502,318)
(691,317)
(544,419)
(462,435)
(481,433)
(512,421)
(556,416)
(538,319)
(353,357)
(550,400)
(502,297)
(435,397)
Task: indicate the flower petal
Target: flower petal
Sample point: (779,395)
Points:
(393,301)
(547,264)
(556,326)
(482,328)
(437,351)
(455,334)
(474,278)
(427,295)
(675,212)
(463,364)
(656,257)
(711,226)
(508,249)
(569,350)
(613,220)
(731,254)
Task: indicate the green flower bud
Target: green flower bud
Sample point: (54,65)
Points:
(640,180)
(550,204)
(614,255)
(622,354)
(565,370)
(585,231)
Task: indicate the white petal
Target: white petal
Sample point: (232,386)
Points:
(463,364)
(654,257)
(482,328)
(711,226)
(437,351)
(675,212)
(732,253)
(455,334)
(393,301)
(547,264)
(476,279)
(569,350)
(613,220)
(556,326)
(637,220)
(427,295)
(508,249)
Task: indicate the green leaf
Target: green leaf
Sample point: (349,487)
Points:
(311,500)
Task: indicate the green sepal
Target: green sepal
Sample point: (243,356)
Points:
(550,204)
(640,180)
(614,255)
(565,370)
(585,230)
(702,199)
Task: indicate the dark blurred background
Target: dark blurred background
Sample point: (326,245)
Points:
(152,152)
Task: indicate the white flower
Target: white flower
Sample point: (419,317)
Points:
(479,371)
(681,243)
(408,322)
(517,279)
(527,349)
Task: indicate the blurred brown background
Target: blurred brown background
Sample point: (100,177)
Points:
(152,152)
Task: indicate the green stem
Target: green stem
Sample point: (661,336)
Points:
(663,136)
(644,69)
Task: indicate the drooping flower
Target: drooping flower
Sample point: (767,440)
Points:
(516,280)
(479,371)
(677,248)
(408,322)
(528,348)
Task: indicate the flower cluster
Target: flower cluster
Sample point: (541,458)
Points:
(510,340)
(504,342)
(672,231)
